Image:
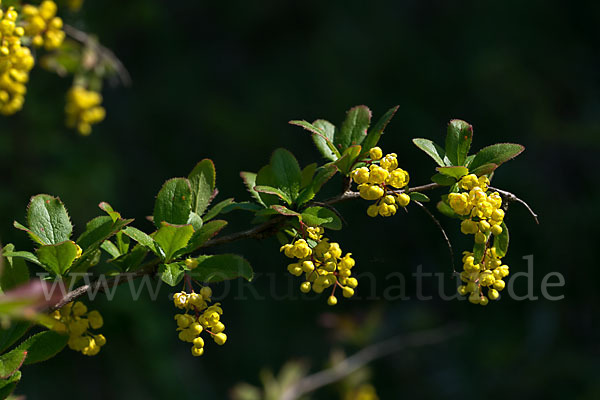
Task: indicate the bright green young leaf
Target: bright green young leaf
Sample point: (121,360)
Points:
(110,248)
(208,230)
(43,346)
(172,238)
(217,209)
(420,197)
(286,172)
(11,362)
(454,172)
(202,180)
(458,141)
(496,154)
(432,150)
(104,206)
(274,191)
(249,179)
(323,135)
(143,239)
(15,270)
(322,175)
(447,210)
(321,216)
(443,180)
(8,385)
(173,202)
(48,219)
(9,335)
(58,258)
(346,162)
(377,130)
(501,241)
(222,267)
(195,220)
(354,129)
(98,230)
(307,174)
(171,274)
(484,169)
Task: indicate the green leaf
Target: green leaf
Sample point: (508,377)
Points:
(8,385)
(58,258)
(171,274)
(242,205)
(346,162)
(321,216)
(131,261)
(48,219)
(484,169)
(496,154)
(32,235)
(98,230)
(469,160)
(443,180)
(104,206)
(208,230)
(174,202)
(15,270)
(417,196)
(172,238)
(217,208)
(143,239)
(284,211)
(222,267)
(43,346)
(307,174)
(454,172)
(195,220)
(110,248)
(286,172)
(447,210)
(9,335)
(202,181)
(323,174)
(11,362)
(377,130)
(274,191)
(265,177)
(478,252)
(501,241)
(323,136)
(432,150)
(249,179)
(458,141)
(354,128)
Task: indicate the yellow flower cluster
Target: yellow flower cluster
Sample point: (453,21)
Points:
(75,320)
(83,109)
(202,318)
(323,265)
(42,24)
(15,63)
(373,182)
(485,274)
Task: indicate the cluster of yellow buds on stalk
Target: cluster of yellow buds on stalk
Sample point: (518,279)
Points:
(322,264)
(83,109)
(42,25)
(483,218)
(373,183)
(198,317)
(75,320)
(15,63)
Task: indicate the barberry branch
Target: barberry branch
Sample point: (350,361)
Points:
(510,197)
(369,354)
(349,194)
(439,225)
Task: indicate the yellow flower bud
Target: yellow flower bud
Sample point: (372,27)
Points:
(332,300)
(375,153)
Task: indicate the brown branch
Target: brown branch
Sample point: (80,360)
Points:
(439,225)
(368,354)
(510,198)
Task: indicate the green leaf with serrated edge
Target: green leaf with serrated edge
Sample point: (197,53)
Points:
(9,335)
(314,214)
(242,205)
(222,267)
(484,169)
(273,191)
(173,202)
(454,172)
(172,238)
(171,274)
(346,162)
(432,150)
(208,230)
(354,128)
(458,141)
(7,386)
(478,252)
(195,220)
(104,206)
(202,180)
(131,261)
(447,210)
(322,175)
(43,346)
(443,180)
(217,209)
(24,255)
(48,219)
(284,211)
(143,239)
(98,230)
(496,154)
(15,270)
(287,173)
(307,174)
(501,241)
(417,196)
(11,362)
(58,258)
(32,235)
(110,248)
(249,179)
(325,145)
(376,131)
(265,177)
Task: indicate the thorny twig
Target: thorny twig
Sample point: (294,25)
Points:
(510,197)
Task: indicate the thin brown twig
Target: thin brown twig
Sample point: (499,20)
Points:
(510,197)
(439,225)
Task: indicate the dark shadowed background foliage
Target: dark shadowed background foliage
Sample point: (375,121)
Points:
(221,80)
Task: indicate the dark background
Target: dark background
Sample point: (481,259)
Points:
(221,80)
